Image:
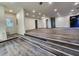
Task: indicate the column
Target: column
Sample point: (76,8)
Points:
(20,20)
(3,35)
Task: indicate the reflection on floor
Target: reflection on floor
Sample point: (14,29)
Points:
(43,42)
(22,47)
(60,34)
(11,36)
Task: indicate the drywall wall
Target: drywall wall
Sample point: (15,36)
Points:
(40,24)
(29,23)
(62,21)
(20,20)
(3,35)
(49,23)
(44,22)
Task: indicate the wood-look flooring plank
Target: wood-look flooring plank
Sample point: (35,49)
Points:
(64,34)
(53,50)
(25,48)
(38,49)
(29,46)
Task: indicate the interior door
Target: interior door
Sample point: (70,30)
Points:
(36,24)
(46,23)
(53,22)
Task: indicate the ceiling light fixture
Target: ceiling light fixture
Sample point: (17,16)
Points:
(50,2)
(33,11)
(42,17)
(10,10)
(58,14)
(39,13)
(76,3)
(72,10)
(55,10)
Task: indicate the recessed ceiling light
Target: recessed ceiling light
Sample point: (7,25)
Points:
(33,15)
(58,14)
(33,11)
(39,13)
(27,14)
(55,10)
(72,10)
(50,2)
(76,3)
(42,17)
(10,10)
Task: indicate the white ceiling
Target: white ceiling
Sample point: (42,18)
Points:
(47,9)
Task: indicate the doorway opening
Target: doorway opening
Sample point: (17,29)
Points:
(52,22)
(36,24)
(46,23)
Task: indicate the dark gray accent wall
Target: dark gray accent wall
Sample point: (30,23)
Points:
(52,22)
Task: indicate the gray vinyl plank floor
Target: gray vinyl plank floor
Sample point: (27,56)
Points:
(62,34)
(30,46)
(19,47)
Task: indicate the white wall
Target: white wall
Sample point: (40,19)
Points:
(44,22)
(40,24)
(49,23)
(60,22)
(29,23)
(3,35)
(20,19)
(63,21)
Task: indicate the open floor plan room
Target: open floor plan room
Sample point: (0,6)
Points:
(39,29)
